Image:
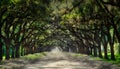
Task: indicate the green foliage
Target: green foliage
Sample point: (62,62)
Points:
(117,61)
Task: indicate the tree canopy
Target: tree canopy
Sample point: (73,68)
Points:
(83,26)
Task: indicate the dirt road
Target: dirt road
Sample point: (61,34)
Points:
(59,60)
(68,61)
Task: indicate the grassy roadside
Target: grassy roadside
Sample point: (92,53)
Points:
(29,57)
(17,63)
(116,62)
(33,56)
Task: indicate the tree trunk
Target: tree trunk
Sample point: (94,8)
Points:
(100,43)
(7,52)
(111,42)
(22,51)
(0,50)
(99,50)
(26,50)
(87,51)
(117,33)
(32,50)
(91,51)
(95,51)
(112,51)
(105,42)
(105,51)
(100,53)
(17,55)
(95,42)
(13,52)
(119,49)
(1,53)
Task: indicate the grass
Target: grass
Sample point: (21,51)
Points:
(28,57)
(34,56)
(116,62)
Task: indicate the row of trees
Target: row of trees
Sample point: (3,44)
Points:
(21,23)
(81,26)
(92,27)
(96,26)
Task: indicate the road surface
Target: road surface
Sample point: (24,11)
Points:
(59,60)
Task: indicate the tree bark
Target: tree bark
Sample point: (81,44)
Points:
(17,55)
(0,50)
(112,46)
(7,52)
(26,50)
(105,49)
(111,42)
(119,49)
(87,51)
(22,51)
(100,52)
(105,52)
(112,51)
(99,47)
(95,51)
(13,52)
(91,51)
